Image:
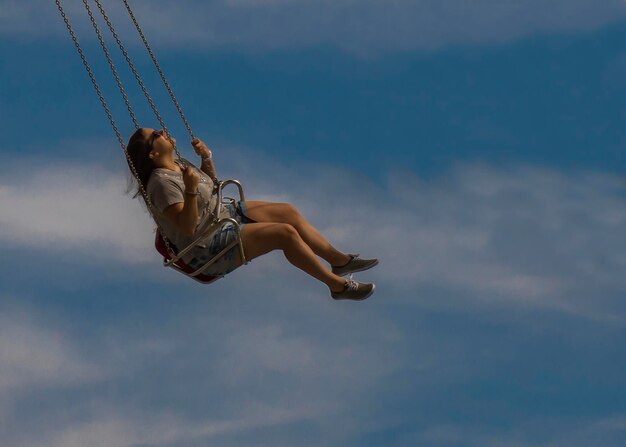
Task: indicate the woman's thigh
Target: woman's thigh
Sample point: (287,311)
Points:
(271,212)
(261,238)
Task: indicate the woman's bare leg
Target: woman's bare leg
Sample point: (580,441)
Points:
(261,238)
(286,213)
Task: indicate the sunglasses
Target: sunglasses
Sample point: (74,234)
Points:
(153,136)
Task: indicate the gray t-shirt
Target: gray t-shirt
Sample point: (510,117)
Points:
(165,188)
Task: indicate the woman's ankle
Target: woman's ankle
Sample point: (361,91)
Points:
(338,286)
(342,260)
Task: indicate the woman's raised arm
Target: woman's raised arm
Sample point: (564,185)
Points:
(206,155)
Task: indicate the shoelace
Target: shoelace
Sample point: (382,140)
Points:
(351,284)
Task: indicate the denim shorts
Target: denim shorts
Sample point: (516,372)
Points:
(230,260)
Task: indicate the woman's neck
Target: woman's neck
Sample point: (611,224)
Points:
(168,163)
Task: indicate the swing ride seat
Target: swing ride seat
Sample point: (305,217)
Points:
(180,265)
(176,262)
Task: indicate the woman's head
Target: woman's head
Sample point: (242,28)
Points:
(147,149)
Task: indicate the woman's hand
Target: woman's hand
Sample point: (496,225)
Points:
(207,162)
(201,149)
(191,178)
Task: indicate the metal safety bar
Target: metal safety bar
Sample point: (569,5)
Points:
(216,225)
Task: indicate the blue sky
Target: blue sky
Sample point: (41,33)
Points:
(477,151)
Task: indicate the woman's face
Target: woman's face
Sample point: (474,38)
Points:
(158,142)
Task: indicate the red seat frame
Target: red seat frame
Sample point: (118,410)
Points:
(160,246)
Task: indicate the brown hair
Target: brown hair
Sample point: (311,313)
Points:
(138,151)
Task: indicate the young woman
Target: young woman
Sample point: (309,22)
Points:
(181,196)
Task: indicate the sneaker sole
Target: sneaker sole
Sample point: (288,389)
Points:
(362,269)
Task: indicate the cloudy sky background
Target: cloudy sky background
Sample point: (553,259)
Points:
(476,150)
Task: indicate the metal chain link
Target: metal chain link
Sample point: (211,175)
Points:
(137,78)
(158,68)
(161,75)
(142,190)
(111,65)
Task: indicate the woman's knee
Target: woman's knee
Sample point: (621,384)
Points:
(291,213)
(286,234)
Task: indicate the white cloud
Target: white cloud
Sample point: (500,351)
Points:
(267,354)
(107,428)
(73,207)
(35,357)
(364,26)
(534,236)
(265,350)
(245,376)
(275,350)
(520,234)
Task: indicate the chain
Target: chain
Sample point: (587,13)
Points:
(142,190)
(137,78)
(110,61)
(158,67)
